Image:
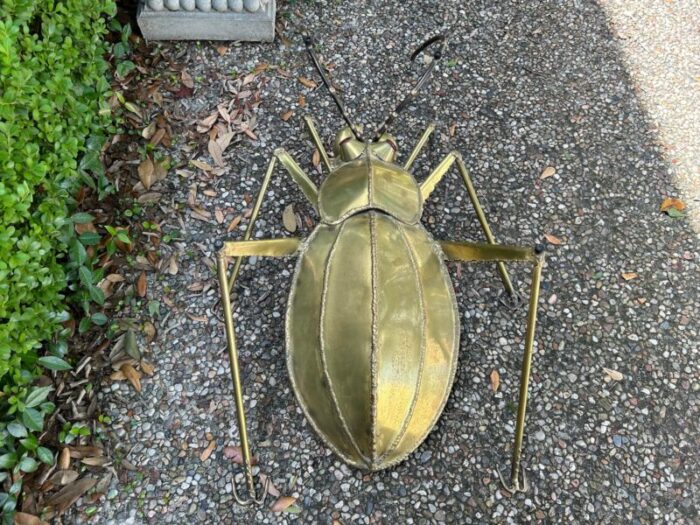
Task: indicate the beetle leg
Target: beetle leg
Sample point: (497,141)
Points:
(305,184)
(465,251)
(316,139)
(419,146)
(238,392)
(428,185)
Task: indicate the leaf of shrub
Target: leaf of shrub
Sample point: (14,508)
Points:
(90,238)
(37,395)
(33,419)
(17,429)
(7,461)
(53,363)
(28,464)
(44,455)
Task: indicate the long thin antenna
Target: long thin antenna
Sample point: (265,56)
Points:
(419,85)
(308,41)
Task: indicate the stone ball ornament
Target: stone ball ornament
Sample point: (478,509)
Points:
(221,6)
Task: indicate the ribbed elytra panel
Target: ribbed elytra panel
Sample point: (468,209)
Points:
(372,337)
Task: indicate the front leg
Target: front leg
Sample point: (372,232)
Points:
(428,185)
(471,252)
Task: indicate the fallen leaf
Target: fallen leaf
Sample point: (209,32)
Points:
(64,459)
(549,171)
(316,159)
(216,153)
(236,454)
(219,215)
(224,140)
(628,276)
(272,490)
(287,115)
(614,375)
(22,518)
(201,165)
(308,82)
(95,461)
(142,285)
(204,125)
(69,494)
(207,451)
(495,380)
(289,219)
(131,347)
(235,222)
(453,129)
(132,375)
(282,503)
(149,131)
(187,79)
(672,203)
(64,476)
(83,451)
(146,173)
(222,50)
(150,330)
(551,239)
(172,265)
(147,368)
(302,101)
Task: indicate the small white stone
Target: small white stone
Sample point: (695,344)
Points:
(204,5)
(252,6)
(156,5)
(173,5)
(187,5)
(235,5)
(219,5)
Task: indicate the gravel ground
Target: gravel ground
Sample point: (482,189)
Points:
(661,46)
(524,85)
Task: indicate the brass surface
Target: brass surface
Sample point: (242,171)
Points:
(418,147)
(238,390)
(316,139)
(372,337)
(369,183)
(263,247)
(372,326)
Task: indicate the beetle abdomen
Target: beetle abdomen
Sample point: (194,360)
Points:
(372,337)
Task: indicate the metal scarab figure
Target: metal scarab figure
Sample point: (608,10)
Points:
(372,325)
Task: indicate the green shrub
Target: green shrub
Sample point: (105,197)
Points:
(52,115)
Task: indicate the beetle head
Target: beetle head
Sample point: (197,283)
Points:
(347,147)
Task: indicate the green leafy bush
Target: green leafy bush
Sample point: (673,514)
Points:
(52,112)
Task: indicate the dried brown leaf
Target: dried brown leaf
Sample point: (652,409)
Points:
(69,494)
(289,219)
(282,503)
(201,165)
(249,132)
(234,223)
(147,173)
(149,131)
(308,82)
(453,129)
(219,215)
(147,368)
(216,153)
(23,518)
(287,115)
(172,265)
(316,158)
(64,459)
(551,239)
(207,451)
(142,285)
(95,461)
(149,329)
(670,202)
(187,79)
(235,454)
(222,50)
(63,477)
(628,276)
(224,140)
(614,375)
(549,171)
(495,378)
(204,125)
(133,375)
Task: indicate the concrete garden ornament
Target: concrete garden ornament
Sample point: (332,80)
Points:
(251,20)
(372,325)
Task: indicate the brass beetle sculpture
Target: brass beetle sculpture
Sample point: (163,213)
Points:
(372,325)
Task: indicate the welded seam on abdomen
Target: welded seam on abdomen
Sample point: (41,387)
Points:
(375,335)
(424,331)
(322,345)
